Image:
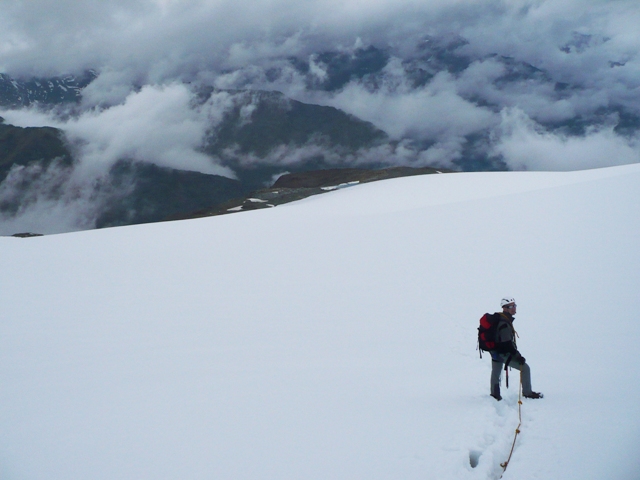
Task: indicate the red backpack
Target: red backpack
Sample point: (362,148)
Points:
(487,332)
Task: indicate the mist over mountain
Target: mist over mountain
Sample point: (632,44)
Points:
(252,91)
(39,178)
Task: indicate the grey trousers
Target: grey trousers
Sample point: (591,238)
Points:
(497,365)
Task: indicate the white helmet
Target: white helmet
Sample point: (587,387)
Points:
(507,301)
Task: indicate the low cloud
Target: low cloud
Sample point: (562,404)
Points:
(158,124)
(49,199)
(525,145)
(433,113)
(154,125)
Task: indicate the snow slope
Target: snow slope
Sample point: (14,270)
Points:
(332,338)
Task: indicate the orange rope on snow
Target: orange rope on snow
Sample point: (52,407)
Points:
(505,464)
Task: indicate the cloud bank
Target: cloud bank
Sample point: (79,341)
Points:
(526,146)
(156,40)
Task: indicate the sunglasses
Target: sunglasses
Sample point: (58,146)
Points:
(511,306)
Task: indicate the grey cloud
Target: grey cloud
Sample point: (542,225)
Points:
(429,113)
(158,124)
(46,200)
(156,41)
(525,145)
(164,38)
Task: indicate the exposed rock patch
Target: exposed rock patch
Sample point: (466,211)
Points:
(296,186)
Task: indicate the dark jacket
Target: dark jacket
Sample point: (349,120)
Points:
(506,334)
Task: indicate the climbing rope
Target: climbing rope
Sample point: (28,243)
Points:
(505,464)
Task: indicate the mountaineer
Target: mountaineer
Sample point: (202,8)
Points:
(503,349)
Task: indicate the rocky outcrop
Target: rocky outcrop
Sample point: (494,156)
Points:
(292,187)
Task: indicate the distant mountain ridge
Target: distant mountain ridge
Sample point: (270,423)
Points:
(23,146)
(266,133)
(15,93)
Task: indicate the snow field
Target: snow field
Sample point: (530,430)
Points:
(331,338)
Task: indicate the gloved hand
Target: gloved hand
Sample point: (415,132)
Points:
(521,359)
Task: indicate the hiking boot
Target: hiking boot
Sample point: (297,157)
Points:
(495,392)
(533,395)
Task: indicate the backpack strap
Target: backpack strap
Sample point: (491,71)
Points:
(509,324)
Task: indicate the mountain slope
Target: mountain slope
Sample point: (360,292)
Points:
(23,146)
(36,165)
(43,91)
(332,337)
(265,133)
(145,193)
